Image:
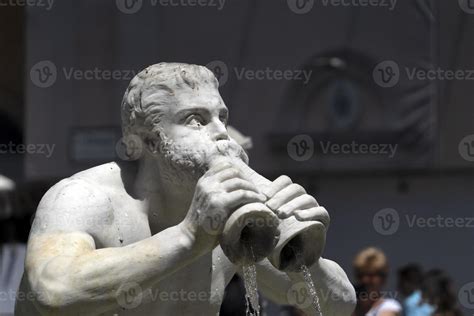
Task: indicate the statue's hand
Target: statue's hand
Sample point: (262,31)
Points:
(219,192)
(287,199)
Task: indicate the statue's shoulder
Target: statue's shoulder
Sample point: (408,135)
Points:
(105,175)
(71,201)
(86,187)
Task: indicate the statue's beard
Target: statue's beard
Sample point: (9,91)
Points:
(184,162)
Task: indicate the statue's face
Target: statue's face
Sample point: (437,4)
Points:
(198,116)
(191,130)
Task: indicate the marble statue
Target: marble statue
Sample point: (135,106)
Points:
(151,235)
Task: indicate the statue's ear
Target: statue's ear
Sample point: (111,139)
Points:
(151,143)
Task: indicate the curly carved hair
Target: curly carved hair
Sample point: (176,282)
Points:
(163,79)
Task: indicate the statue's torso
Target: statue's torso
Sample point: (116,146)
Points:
(197,289)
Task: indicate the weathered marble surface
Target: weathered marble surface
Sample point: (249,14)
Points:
(133,237)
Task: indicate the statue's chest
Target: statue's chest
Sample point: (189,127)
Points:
(197,289)
(126,225)
(193,282)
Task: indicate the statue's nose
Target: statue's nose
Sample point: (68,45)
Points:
(219,131)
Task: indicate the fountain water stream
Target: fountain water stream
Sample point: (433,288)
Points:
(312,290)
(251,295)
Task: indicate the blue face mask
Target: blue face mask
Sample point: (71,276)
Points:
(427,309)
(415,307)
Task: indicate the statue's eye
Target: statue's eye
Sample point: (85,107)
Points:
(223,119)
(195,120)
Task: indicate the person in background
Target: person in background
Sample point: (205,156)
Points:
(437,291)
(410,278)
(371,270)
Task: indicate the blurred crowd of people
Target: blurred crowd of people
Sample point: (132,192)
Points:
(419,293)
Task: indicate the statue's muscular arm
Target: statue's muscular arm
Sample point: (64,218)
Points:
(66,271)
(70,276)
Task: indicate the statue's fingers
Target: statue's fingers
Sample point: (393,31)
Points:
(229,173)
(301,202)
(277,185)
(218,167)
(285,195)
(314,214)
(237,184)
(242,197)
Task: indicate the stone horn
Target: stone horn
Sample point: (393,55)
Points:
(288,243)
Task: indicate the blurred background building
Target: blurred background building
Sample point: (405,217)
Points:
(311,82)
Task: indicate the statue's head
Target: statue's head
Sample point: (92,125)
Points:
(176,113)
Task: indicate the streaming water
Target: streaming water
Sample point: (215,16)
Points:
(312,290)
(251,295)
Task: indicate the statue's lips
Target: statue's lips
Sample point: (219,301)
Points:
(224,149)
(228,148)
